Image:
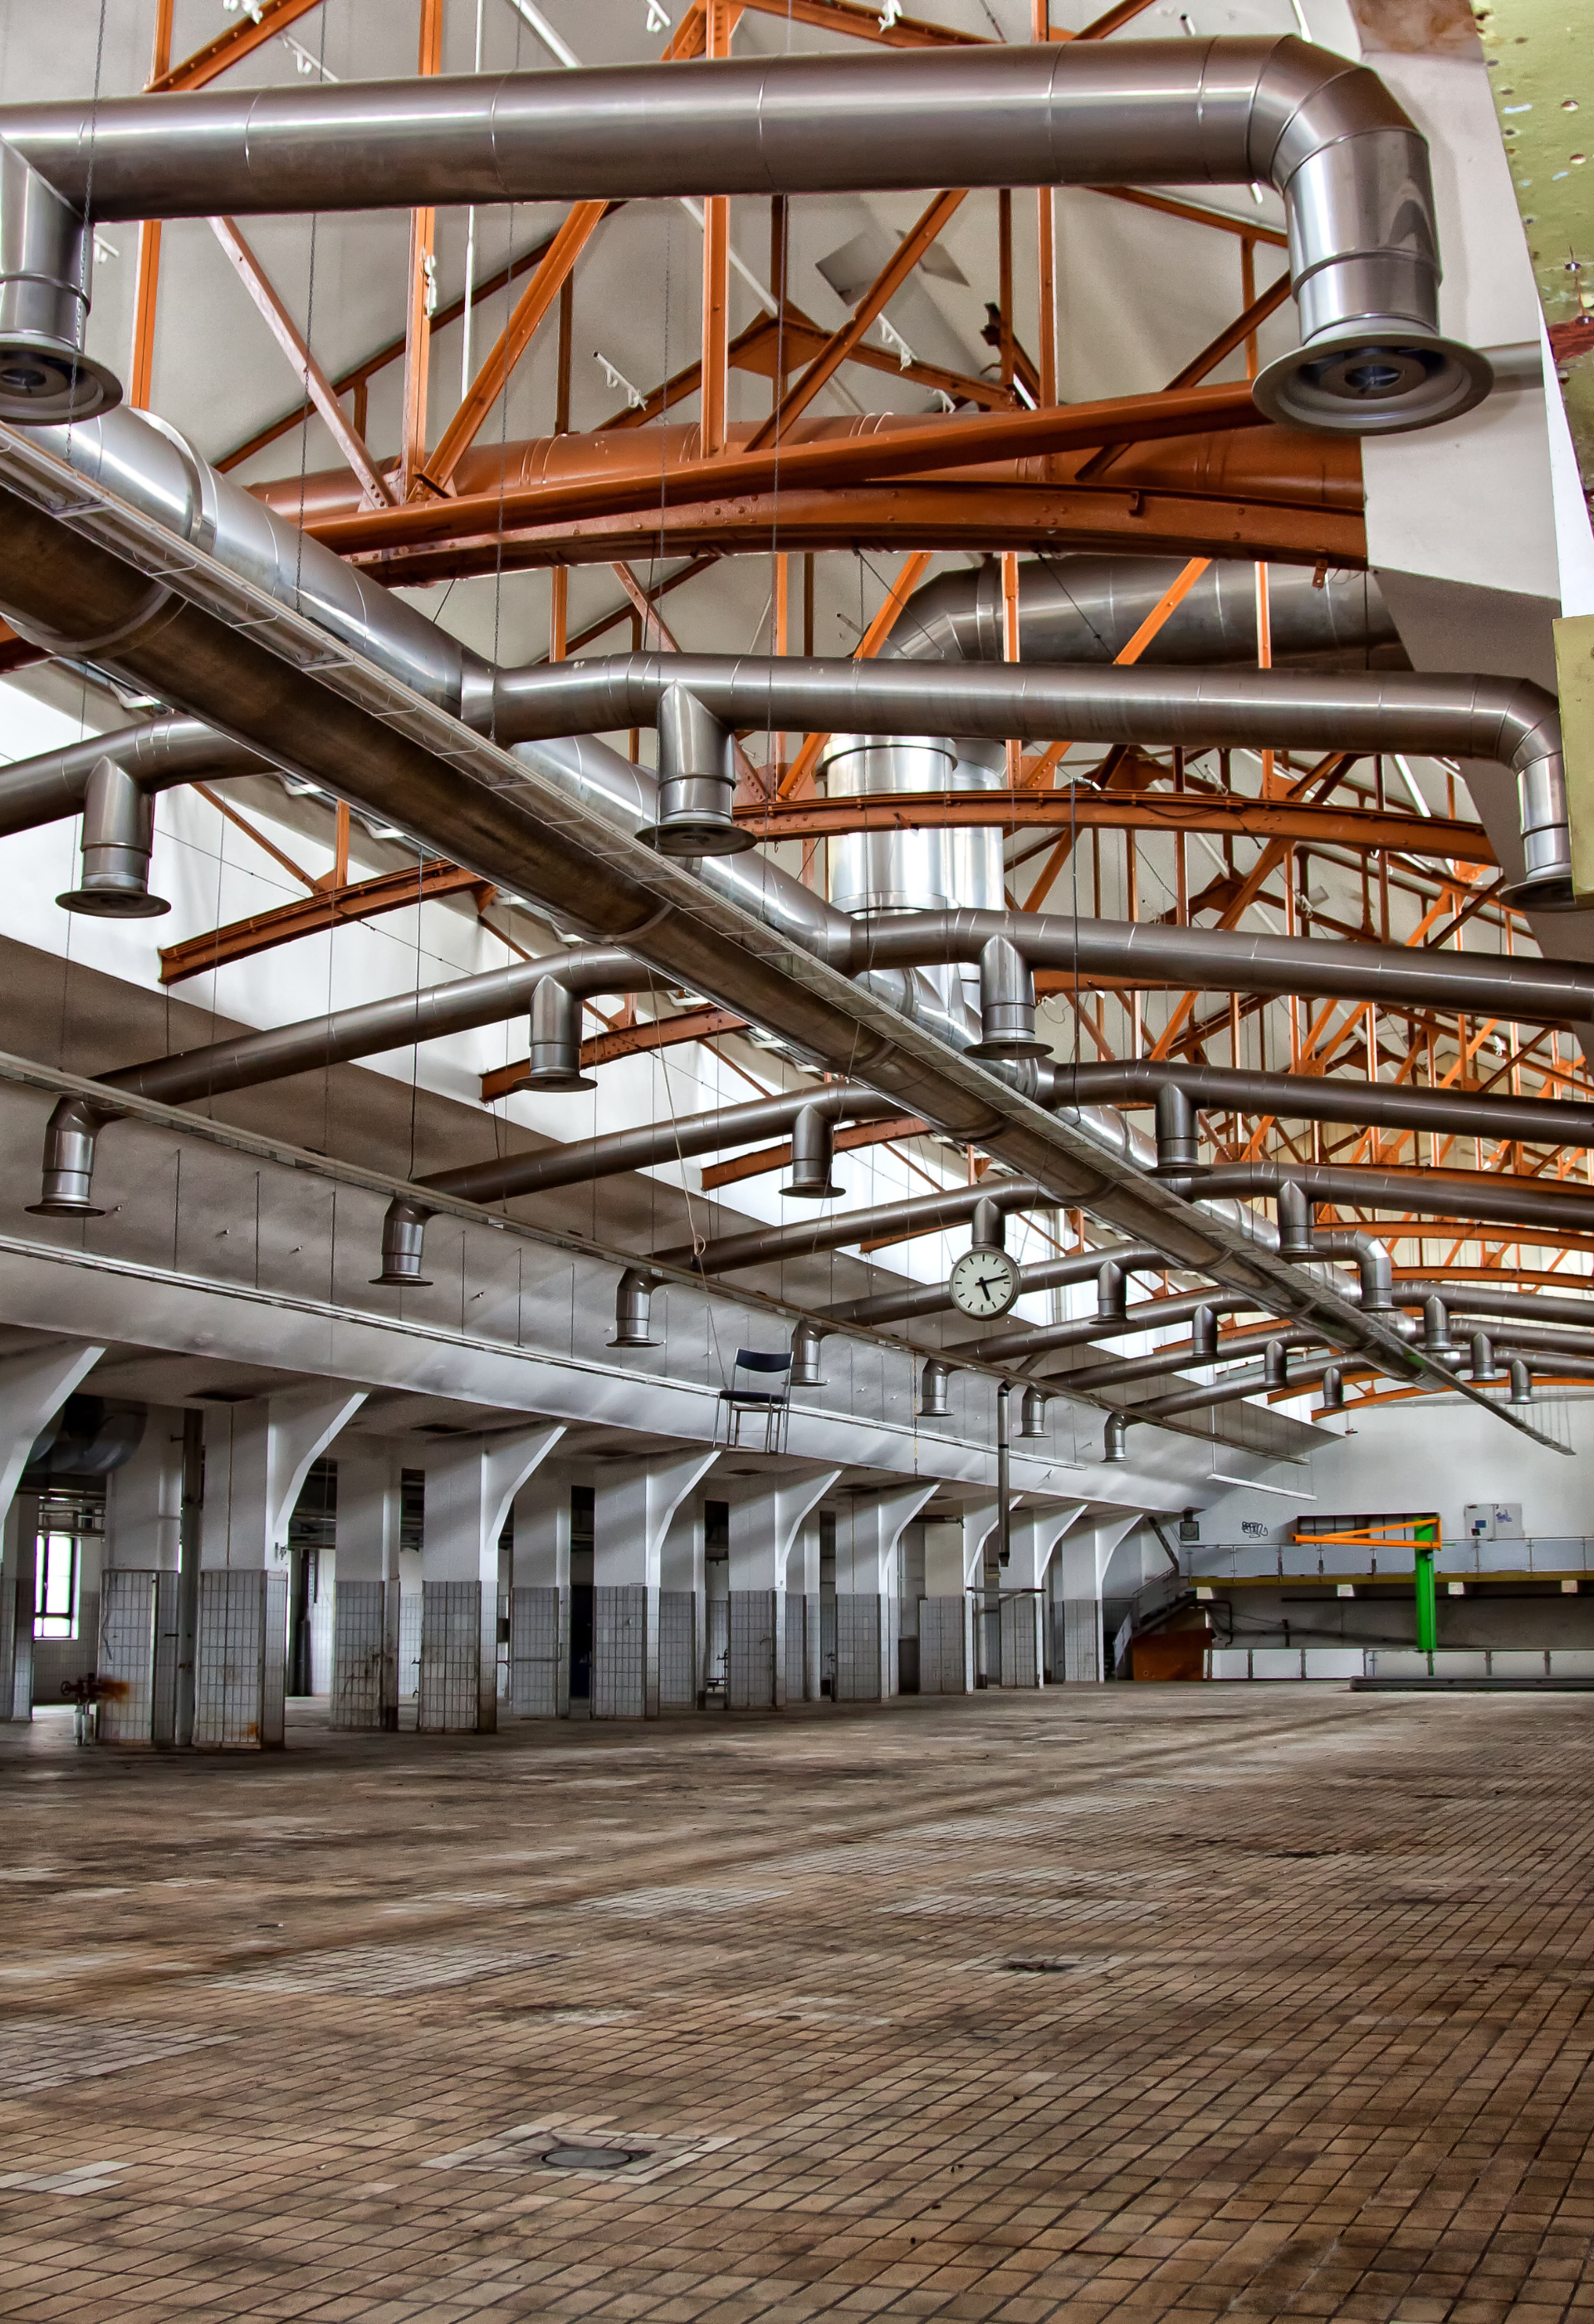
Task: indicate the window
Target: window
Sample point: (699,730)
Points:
(55,1603)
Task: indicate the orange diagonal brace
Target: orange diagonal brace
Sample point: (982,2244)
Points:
(268,18)
(535,301)
(296,347)
(800,772)
(1251,886)
(839,344)
(1172,598)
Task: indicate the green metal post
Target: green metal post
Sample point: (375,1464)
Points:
(1427,1602)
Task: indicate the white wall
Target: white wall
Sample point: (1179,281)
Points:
(1438,1456)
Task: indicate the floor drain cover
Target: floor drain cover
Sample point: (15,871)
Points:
(592,2158)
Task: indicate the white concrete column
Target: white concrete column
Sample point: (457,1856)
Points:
(764,1523)
(138,1581)
(470,1483)
(257,1455)
(683,1607)
(867,1533)
(35,1383)
(144,1498)
(803,1655)
(539,1596)
(1084,1555)
(953,1552)
(1034,1535)
(635,1503)
(365,1593)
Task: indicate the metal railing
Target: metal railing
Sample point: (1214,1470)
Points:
(1544,1554)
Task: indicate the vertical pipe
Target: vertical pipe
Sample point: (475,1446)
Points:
(1004,1484)
(1004,235)
(191,1516)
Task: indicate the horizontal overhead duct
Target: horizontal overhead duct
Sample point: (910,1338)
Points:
(809,1115)
(1475,1194)
(1511,722)
(550,990)
(1381,1105)
(1047,1275)
(1351,167)
(1086,609)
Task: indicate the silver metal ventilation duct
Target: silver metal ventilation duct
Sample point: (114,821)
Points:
(922,1214)
(1203,1347)
(1426,1194)
(1047,1275)
(1086,609)
(1483,1299)
(1511,721)
(550,990)
(1350,165)
(809,1117)
(1383,1105)
(1081,610)
(1084,1331)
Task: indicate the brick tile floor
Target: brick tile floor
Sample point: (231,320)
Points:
(1122,2003)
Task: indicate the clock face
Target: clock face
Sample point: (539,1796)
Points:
(985,1282)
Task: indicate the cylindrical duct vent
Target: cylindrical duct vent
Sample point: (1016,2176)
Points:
(555,1038)
(696,781)
(118,834)
(912,870)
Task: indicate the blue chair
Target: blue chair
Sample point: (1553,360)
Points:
(772,1404)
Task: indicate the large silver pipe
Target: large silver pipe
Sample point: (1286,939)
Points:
(807,1116)
(1509,721)
(248,1059)
(1086,609)
(1084,1331)
(1384,1105)
(1148,955)
(1350,165)
(922,1214)
(1182,1359)
(1483,1299)
(1274,1375)
(1426,1194)
(1047,1275)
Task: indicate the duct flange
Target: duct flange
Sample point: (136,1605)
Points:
(45,377)
(696,782)
(1358,381)
(403,1240)
(633,1309)
(118,838)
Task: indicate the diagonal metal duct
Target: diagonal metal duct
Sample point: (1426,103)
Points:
(1351,167)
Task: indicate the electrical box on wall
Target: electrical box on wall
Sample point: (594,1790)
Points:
(1493,1520)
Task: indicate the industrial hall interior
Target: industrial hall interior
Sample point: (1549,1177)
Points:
(796,1082)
